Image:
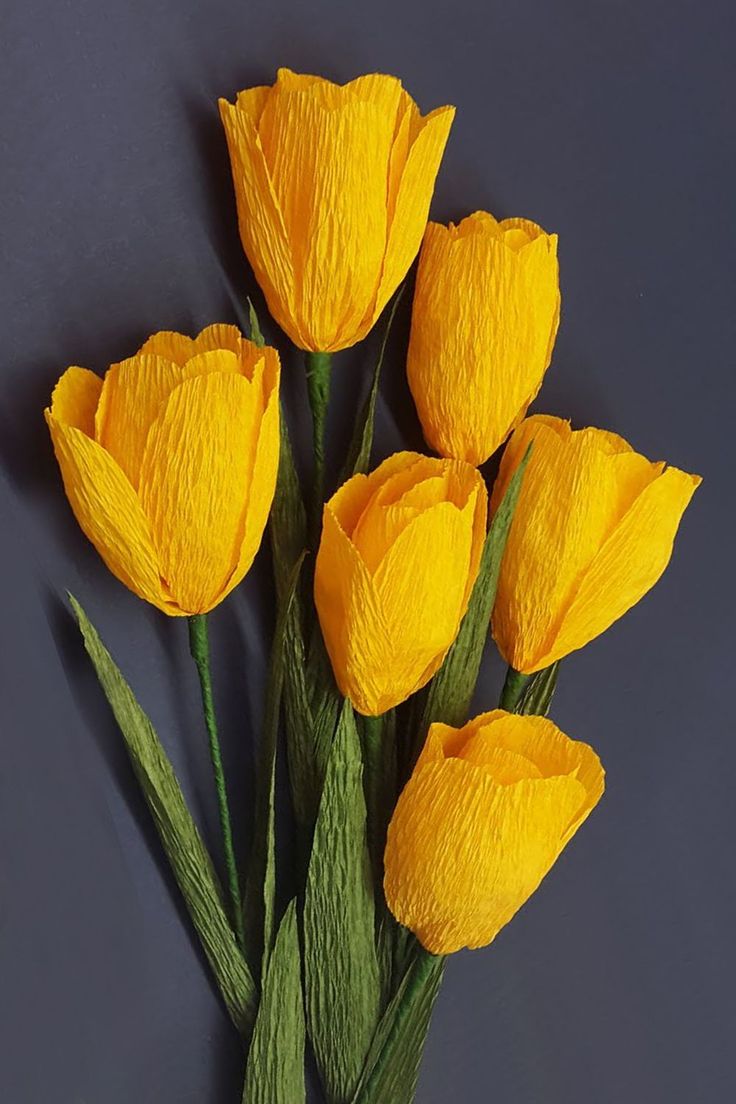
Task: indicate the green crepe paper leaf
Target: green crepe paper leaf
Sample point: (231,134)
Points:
(181,841)
(392,1066)
(537,696)
(288,523)
(256,334)
(343,990)
(451,690)
(359,453)
(261,885)
(275,1069)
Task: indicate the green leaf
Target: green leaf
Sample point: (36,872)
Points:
(288,524)
(341,968)
(261,885)
(537,696)
(392,1066)
(275,1069)
(181,841)
(256,334)
(359,453)
(451,690)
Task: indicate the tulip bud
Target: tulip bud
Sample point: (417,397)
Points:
(483,818)
(485,316)
(592,532)
(170,462)
(333,185)
(398,558)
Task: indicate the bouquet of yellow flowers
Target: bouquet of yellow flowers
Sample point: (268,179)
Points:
(419,830)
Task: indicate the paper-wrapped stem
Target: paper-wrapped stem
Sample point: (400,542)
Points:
(199,646)
(513,688)
(318,389)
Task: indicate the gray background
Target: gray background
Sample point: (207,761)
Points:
(607,122)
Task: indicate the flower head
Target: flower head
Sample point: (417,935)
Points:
(483,818)
(333,185)
(169,463)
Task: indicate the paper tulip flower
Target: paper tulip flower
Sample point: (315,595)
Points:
(592,532)
(485,316)
(398,558)
(170,463)
(333,185)
(484,816)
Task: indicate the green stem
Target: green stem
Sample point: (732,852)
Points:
(199,646)
(379,780)
(513,688)
(318,388)
(426,971)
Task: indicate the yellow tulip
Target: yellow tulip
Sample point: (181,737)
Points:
(333,185)
(483,818)
(169,463)
(484,321)
(398,558)
(592,532)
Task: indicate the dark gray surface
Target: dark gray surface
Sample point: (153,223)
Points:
(607,122)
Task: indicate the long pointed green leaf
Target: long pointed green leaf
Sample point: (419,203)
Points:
(451,690)
(539,692)
(261,885)
(359,453)
(181,841)
(275,1070)
(343,989)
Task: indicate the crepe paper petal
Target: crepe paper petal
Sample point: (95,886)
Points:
(399,555)
(195,481)
(484,320)
(592,533)
(483,818)
(75,398)
(132,395)
(412,201)
(137,452)
(333,185)
(109,513)
(176,347)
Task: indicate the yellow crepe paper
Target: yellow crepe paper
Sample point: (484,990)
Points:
(484,321)
(398,558)
(484,816)
(333,185)
(170,463)
(592,532)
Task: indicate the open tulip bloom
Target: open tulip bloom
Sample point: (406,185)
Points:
(419,831)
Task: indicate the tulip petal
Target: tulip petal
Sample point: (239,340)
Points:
(195,481)
(352,621)
(219,336)
(109,513)
(463,854)
(262,486)
(412,202)
(75,398)
(628,564)
(423,619)
(132,395)
(332,193)
(172,346)
(261,223)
